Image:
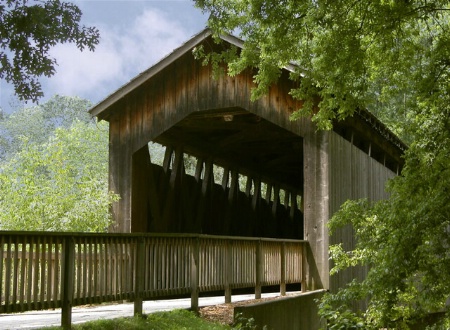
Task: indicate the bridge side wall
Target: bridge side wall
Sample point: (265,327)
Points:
(288,313)
(353,174)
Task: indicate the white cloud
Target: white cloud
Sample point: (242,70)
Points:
(124,51)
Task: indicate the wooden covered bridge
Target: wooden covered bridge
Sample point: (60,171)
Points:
(251,209)
(278,178)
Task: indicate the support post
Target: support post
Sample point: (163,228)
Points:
(195,274)
(68,275)
(283,269)
(139,276)
(258,270)
(228,272)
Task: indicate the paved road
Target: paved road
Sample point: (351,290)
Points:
(40,319)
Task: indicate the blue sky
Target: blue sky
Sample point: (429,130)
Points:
(135,34)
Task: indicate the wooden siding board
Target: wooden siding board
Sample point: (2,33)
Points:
(192,84)
(170,91)
(242,90)
(181,86)
(204,84)
(135,112)
(353,175)
(147,113)
(158,108)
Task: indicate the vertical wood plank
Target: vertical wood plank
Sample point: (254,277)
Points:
(48,262)
(15,271)
(42,270)
(8,274)
(195,275)
(79,270)
(68,282)
(30,270)
(24,273)
(95,283)
(258,270)
(56,273)
(85,269)
(139,276)
(36,268)
(283,269)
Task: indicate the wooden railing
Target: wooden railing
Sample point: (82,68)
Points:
(51,270)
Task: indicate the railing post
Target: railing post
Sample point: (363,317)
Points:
(68,275)
(228,271)
(283,269)
(258,270)
(139,276)
(195,274)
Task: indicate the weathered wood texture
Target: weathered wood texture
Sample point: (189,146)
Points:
(316,195)
(181,106)
(353,174)
(185,87)
(112,267)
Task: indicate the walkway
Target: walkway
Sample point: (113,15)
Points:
(40,319)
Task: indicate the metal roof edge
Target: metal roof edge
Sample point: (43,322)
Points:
(150,72)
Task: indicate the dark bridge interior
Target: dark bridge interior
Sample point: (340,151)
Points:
(225,172)
(236,138)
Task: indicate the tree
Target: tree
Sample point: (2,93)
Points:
(59,185)
(27,33)
(350,53)
(393,58)
(38,123)
(53,174)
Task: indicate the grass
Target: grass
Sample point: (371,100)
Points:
(173,320)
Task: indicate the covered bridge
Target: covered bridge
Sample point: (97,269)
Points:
(255,173)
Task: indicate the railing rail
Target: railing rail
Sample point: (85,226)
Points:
(51,270)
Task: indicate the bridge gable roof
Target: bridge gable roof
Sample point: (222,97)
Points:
(177,100)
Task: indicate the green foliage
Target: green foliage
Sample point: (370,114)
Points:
(242,323)
(28,30)
(38,123)
(393,58)
(54,169)
(340,316)
(351,54)
(60,185)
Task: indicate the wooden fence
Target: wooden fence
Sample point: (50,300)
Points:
(51,270)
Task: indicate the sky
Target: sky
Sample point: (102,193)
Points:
(134,35)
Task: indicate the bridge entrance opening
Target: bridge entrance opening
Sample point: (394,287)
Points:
(220,172)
